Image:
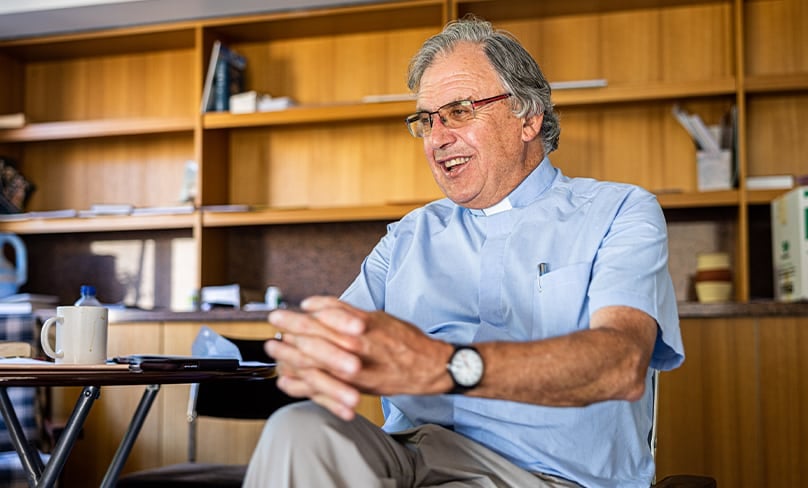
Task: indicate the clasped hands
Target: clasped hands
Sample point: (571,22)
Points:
(332,352)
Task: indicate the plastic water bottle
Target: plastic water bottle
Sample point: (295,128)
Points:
(87,298)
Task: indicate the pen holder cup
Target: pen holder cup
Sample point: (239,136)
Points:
(714,170)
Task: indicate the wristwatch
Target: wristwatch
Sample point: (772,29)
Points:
(466,368)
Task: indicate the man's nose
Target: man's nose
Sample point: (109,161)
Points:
(440,135)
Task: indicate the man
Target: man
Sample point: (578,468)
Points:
(510,327)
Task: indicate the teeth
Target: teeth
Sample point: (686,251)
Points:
(454,162)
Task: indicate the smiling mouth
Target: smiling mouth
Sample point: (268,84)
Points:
(450,165)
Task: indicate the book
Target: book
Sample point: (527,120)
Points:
(12,121)
(166,362)
(770,182)
(98,209)
(271,104)
(207,91)
(236,207)
(185,208)
(15,349)
(66,213)
(579,84)
(15,217)
(26,303)
(228,78)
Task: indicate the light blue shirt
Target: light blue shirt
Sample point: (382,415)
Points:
(467,276)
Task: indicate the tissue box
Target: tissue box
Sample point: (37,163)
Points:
(790,245)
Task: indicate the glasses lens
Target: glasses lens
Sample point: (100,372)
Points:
(456,114)
(418,124)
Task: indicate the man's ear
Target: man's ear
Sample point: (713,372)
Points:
(531,127)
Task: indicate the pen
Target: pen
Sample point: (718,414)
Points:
(542,271)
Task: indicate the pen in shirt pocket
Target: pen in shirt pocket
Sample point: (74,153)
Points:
(543,268)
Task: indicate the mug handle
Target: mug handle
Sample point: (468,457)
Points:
(44,339)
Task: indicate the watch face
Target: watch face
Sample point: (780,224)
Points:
(466,367)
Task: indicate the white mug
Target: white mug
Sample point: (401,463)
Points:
(81,337)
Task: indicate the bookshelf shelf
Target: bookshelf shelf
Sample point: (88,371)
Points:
(307,215)
(763,197)
(645,92)
(99,224)
(777,83)
(86,129)
(726,198)
(319,114)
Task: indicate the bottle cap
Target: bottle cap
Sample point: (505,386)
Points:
(87,290)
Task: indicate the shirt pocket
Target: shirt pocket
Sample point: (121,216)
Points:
(560,300)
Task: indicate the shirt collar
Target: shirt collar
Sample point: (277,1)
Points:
(527,192)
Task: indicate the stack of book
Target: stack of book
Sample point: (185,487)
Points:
(26,303)
(225,77)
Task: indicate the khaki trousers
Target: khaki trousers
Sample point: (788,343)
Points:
(305,446)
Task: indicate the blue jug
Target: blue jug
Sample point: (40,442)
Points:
(12,277)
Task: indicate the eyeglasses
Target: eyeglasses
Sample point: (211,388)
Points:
(453,115)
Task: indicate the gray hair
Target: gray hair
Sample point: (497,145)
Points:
(517,70)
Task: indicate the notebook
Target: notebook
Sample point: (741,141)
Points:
(163,362)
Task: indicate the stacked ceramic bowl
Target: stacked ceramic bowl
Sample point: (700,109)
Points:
(713,277)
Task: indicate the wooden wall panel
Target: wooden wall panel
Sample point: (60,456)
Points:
(627,46)
(75,174)
(784,401)
(775,36)
(151,84)
(347,164)
(11,80)
(709,408)
(637,143)
(776,128)
(333,68)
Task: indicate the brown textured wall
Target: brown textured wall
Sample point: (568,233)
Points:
(58,264)
(304,259)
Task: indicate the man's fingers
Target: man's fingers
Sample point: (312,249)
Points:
(323,389)
(339,327)
(304,352)
(318,302)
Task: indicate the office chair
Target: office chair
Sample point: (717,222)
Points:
(229,400)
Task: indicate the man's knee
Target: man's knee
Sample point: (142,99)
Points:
(298,418)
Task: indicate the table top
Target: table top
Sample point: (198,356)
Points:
(118,374)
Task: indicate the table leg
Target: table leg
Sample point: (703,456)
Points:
(28,457)
(89,394)
(128,441)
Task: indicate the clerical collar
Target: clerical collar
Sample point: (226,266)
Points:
(536,183)
(502,206)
